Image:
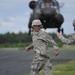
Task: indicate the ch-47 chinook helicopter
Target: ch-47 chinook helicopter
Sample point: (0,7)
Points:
(48,11)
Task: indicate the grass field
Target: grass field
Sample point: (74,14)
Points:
(67,47)
(67,68)
(23,45)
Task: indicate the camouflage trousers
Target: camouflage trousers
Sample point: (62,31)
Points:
(41,63)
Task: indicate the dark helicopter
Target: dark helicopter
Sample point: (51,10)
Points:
(48,11)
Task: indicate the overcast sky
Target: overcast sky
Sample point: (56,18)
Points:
(14,16)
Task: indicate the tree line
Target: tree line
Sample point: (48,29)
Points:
(14,38)
(20,37)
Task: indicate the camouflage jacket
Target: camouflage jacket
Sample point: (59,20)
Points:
(40,42)
(70,40)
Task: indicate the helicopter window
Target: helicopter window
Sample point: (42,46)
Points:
(54,3)
(42,4)
(47,5)
(38,7)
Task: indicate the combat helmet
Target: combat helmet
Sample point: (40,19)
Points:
(37,22)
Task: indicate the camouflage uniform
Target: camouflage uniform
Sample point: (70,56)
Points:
(70,40)
(41,61)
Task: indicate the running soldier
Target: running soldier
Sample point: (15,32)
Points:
(40,39)
(70,40)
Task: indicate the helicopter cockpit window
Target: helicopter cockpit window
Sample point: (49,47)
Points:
(42,4)
(49,4)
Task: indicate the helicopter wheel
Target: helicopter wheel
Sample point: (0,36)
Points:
(59,30)
(62,30)
(29,31)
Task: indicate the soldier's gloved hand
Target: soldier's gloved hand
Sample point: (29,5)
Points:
(56,53)
(27,48)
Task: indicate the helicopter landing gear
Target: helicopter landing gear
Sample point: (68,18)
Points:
(29,31)
(60,30)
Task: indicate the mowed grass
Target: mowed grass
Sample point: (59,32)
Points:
(66,47)
(67,68)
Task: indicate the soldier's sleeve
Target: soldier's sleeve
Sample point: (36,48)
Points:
(70,40)
(49,39)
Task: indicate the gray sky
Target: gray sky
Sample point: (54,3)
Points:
(14,16)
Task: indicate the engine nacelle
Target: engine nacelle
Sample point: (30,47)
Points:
(32,4)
